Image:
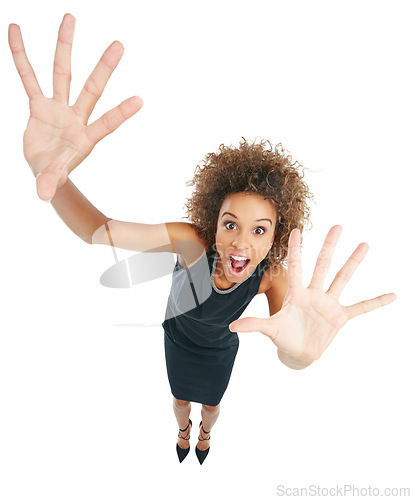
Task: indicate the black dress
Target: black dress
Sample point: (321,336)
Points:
(200,349)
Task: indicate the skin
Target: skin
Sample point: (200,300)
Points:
(310,318)
(303,321)
(57,138)
(238,231)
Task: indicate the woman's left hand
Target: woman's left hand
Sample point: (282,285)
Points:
(310,318)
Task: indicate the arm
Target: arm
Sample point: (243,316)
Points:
(277,289)
(310,318)
(93,227)
(58,138)
(74,209)
(177,237)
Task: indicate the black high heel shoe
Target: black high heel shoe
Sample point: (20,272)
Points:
(202,454)
(181,452)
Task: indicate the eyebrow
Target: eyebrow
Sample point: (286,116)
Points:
(235,217)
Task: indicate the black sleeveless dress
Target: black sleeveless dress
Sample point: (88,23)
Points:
(200,349)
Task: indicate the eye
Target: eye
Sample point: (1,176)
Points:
(260,229)
(226,224)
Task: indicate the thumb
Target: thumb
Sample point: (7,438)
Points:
(46,184)
(248,325)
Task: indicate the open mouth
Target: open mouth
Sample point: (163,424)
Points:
(237,266)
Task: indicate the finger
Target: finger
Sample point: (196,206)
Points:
(324,257)
(348,269)
(62,60)
(96,82)
(111,120)
(294,259)
(23,66)
(248,325)
(370,304)
(46,184)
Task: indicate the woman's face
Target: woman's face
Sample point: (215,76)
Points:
(244,235)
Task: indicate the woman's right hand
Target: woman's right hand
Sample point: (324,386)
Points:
(57,137)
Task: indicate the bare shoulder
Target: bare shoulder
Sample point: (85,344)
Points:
(274,277)
(186,242)
(183,231)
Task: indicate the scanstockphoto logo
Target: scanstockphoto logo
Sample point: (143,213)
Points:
(151,264)
(349,490)
(192,280)
(155,263)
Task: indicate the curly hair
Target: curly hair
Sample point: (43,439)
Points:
(250,168)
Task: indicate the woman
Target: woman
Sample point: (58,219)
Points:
(244,226)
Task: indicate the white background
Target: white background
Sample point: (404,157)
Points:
(86,409)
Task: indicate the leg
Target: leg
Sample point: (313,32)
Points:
(209,416)
(182,412)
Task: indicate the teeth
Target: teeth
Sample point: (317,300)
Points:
(238,258)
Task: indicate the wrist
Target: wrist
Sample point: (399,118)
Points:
(291,362)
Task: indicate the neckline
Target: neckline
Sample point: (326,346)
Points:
(228,290)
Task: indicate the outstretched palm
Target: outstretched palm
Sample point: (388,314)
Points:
(310,318)
(57,137)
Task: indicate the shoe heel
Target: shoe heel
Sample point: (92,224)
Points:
(202,454)
(182,453)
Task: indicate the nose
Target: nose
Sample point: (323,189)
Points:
(240,241)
